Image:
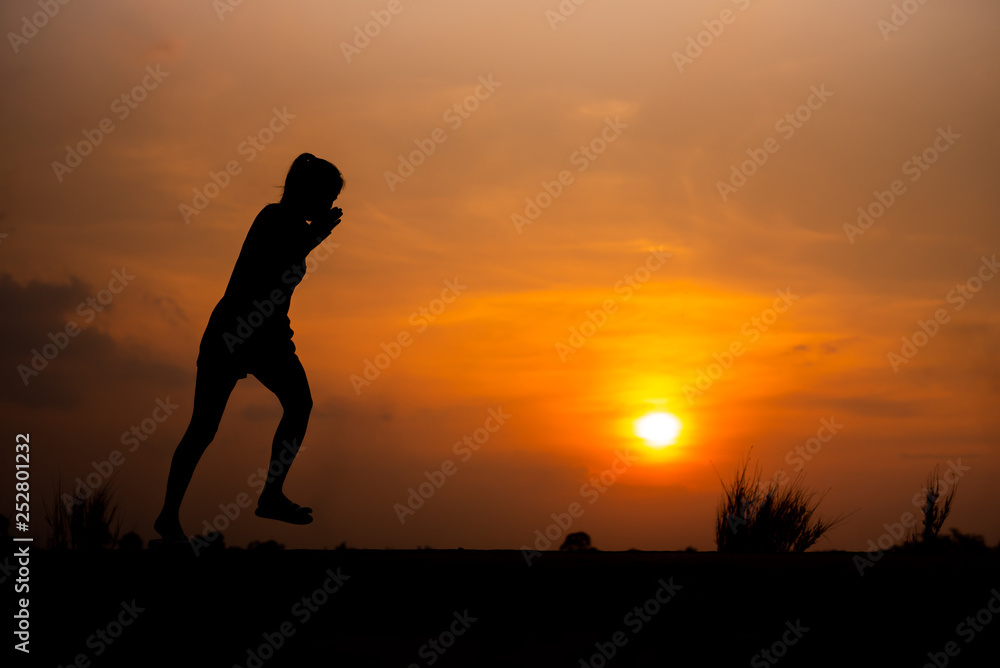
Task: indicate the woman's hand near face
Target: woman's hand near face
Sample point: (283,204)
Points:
(328,221)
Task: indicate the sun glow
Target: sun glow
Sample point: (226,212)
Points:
(658,429)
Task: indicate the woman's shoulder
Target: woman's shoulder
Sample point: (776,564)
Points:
(272,211)
(269,217)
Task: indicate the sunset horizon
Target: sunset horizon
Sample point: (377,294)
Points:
(769,227)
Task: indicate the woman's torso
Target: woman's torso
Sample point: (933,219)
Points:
(251,319)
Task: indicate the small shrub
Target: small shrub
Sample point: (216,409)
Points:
(936,507)
(90,524)
(752,518)
(578,541)
(130,542)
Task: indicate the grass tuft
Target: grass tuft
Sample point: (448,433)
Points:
(768,518)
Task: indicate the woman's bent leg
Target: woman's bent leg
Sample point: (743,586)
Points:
(288,382)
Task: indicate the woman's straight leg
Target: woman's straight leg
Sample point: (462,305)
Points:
(211,394)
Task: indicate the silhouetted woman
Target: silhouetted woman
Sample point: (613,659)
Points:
(249,332)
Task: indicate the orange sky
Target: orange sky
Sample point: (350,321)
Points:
(663,131)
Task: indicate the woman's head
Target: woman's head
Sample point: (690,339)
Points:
(311,185)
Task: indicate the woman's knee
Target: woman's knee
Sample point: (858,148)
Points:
(194,442)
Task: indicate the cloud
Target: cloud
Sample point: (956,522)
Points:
(72,358)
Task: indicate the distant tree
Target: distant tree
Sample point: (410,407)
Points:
(576,542)
(757,518)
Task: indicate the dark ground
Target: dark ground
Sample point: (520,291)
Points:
(214,609)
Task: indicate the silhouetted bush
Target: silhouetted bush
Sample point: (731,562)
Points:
(89,524)
(130,542)
(956,543)
(967,543)
(936,507)
(576,542)
(751,518)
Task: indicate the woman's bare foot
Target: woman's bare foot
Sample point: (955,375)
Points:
(169,528)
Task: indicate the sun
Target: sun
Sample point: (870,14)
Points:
(658,429)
